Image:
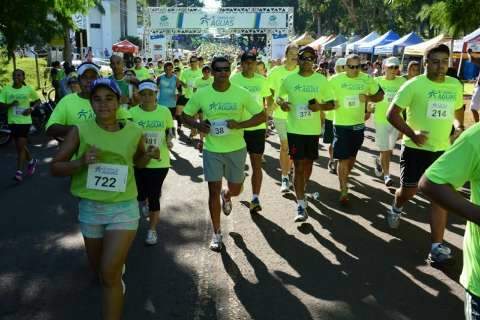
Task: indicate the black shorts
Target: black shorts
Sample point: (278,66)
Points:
(301,146)
(328,132)
(149,185)
(347,140)
(414,163)
(255,141)
(182,100)
(19,130)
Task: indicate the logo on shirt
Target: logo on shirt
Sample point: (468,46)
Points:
(305,88)
(85,114)
(353,86)
(222,106)
(151,123)
(252,88)
(442,95)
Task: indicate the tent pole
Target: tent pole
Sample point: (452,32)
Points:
(461,59)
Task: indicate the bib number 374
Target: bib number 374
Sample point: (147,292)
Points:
(303,112)
(107,177)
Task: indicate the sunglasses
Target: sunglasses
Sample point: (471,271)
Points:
(193,61)
(393,67)
(224,69)
(353,67)
(307,58)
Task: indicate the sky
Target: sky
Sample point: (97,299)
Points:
(212,3)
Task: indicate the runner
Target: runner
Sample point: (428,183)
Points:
(205,80)
(450,172)
(329,116)
(20,99)
(353,90)
(118,68)
(432,102)
(275,78)
(140,71)
(386,136)
(99,155)
(413,70)
(301,96)
(223,105)
(167,84)
(156,122)
(254,137)
(188,78)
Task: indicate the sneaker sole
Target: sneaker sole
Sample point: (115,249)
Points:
(216,249)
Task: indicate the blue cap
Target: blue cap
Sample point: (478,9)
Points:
(106,83)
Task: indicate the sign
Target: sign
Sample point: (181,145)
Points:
(194,20)
(273,21)
(158,46)
(279,43)
(166,20)
(80,21)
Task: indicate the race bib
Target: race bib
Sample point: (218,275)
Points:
(352,102)
(153,138)
(389,97)
(107,177)
(302,112)
(18,111)
(190,83)
(219,128)
(438,110)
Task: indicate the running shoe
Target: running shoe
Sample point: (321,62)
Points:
(216,244)
(18,176)
(344,199)
(255,206)
(32,166)
(377,167)
(301,214)
(332,167)
(393,218)
(440,254)
(388,181)
(285,185)
(152,237)
(226,204)
(143,207)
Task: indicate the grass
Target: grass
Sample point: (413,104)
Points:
(27,65)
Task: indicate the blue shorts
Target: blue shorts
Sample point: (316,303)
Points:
(97,217)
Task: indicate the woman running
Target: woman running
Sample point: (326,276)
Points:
(99,155)
(156,122)
(20,99)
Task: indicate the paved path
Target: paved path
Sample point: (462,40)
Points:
(343,263)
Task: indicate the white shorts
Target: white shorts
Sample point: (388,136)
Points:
(386,136)
(475,103)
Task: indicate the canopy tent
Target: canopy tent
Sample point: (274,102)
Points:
(472,41)
(124,46)
(386,38)
(341,48)
(421,48)
(317,44)
(353,47)
(397,47)
(304,39)
(333,42)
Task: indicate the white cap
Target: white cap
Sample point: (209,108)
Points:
(87,66)
(147,85)
(392,62)
(340,62)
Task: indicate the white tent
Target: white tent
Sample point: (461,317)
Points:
(421,48)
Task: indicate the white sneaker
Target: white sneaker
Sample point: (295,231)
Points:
(285,185)
(301,214)
(226,204)
(152,237)
(377,167)
(388,181)
(393,218)
(216,244)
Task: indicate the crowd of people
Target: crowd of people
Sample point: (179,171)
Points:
(117,133)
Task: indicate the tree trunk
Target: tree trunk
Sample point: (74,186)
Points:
(14,59)
(67,45)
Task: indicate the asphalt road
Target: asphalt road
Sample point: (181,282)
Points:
(343,263)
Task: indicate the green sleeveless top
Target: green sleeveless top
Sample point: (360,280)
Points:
(111,178)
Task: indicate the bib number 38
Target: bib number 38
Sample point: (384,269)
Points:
(219,128)
(107,177)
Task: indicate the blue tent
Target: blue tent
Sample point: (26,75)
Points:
(396,47)
(335,41)
(353,47)
(384,39)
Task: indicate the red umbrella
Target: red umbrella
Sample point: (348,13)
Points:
(125,46)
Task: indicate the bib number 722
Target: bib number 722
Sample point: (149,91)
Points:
(105,182)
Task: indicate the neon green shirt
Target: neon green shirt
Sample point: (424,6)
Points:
(115,155)
(201,83)
(188,76)
(154,125)
(122,84)
(73,109)
(459,164)
(258,88)
(275,78)
(24,95)
(142,73)
(430,107)
(298,90)
(390,88)
(217,108)
(350,111)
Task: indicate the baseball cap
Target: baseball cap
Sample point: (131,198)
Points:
(147,85)
(248,56)
(87,66)
(392,62)
(341,62)
(106,83)
(304,49)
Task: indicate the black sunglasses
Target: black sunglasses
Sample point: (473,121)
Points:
(193,61)
(307,58)
(393,67)
(220,69)
(353,67)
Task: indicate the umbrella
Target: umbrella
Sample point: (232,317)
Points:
(125,46)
